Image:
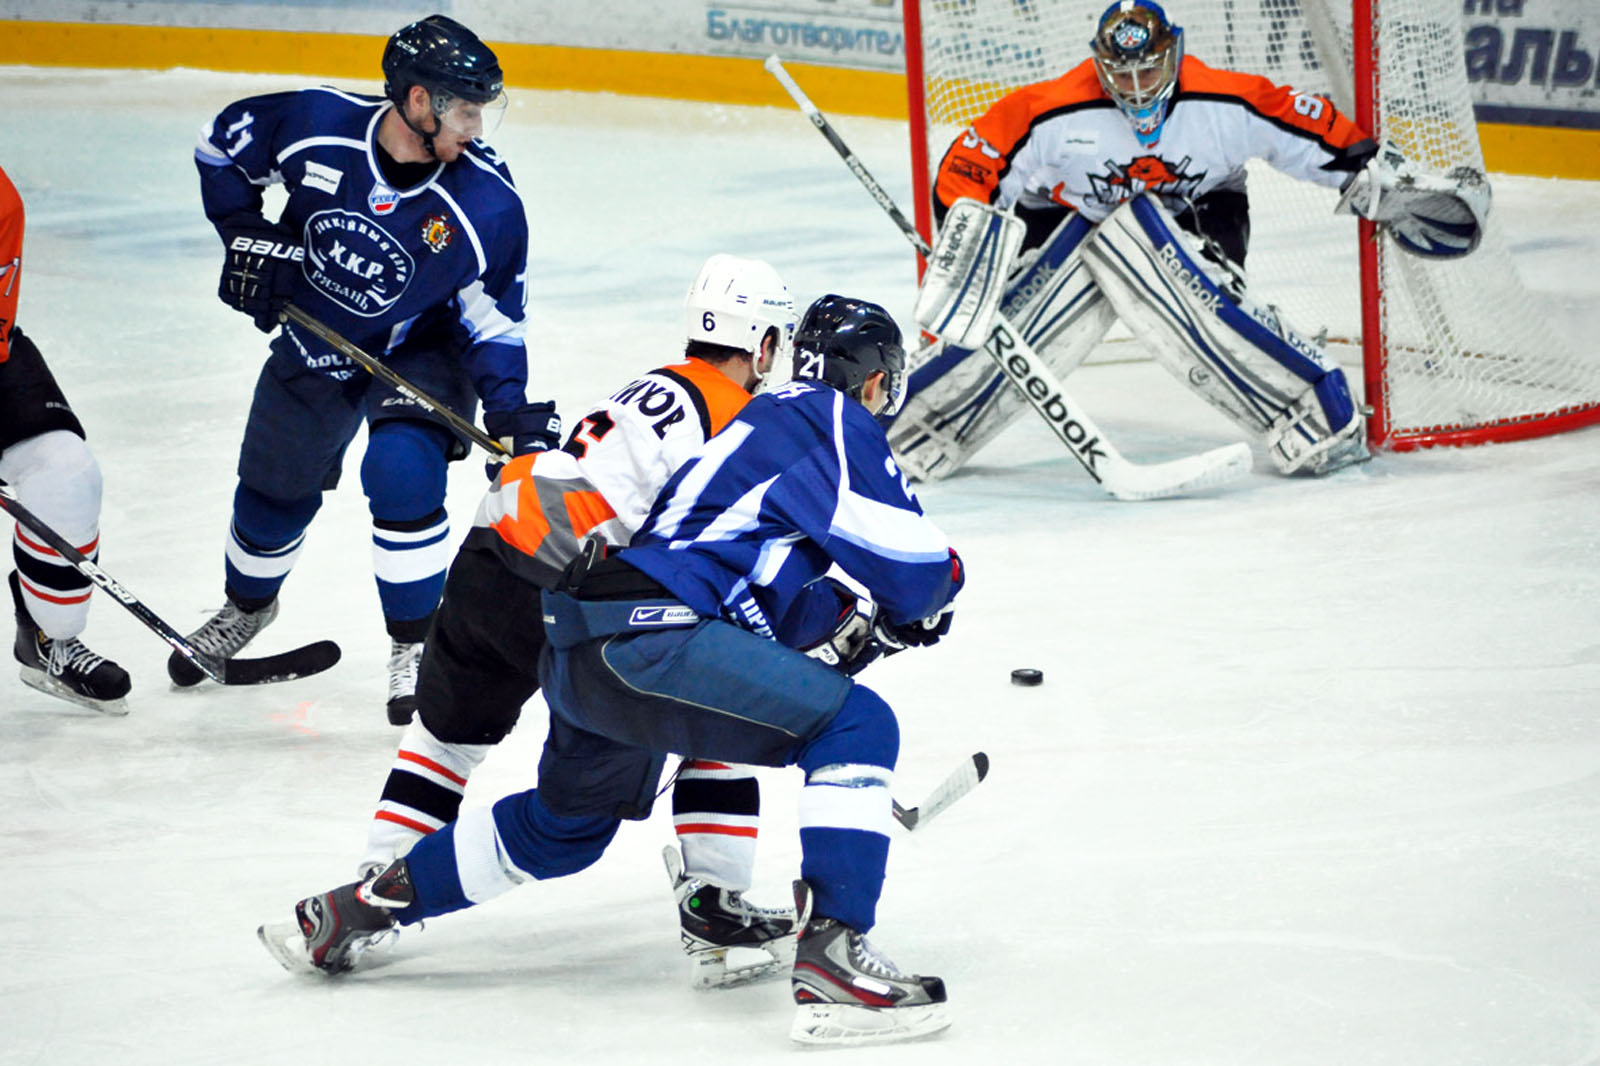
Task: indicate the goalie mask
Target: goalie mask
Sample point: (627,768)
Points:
(1137,51)
(460,72)
(842,342)
(734,302)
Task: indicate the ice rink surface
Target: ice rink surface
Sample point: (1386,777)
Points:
(1313,778)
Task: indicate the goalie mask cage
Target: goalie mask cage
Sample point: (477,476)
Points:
(1453,351)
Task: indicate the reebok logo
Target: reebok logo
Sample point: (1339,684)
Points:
(1196,285)
(1019,368)
(663,616)
(950,244)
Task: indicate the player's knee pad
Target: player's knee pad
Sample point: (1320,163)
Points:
(959,400)
(403,470)
(864,731)
(57,477)
(1199,318)
(268,523)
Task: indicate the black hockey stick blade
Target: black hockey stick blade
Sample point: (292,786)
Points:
(965,778)
(298,662)
(288,665)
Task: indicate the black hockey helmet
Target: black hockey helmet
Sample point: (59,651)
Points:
(842,342)
(442,56)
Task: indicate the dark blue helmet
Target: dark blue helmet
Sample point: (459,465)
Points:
(842,342)
(442,56)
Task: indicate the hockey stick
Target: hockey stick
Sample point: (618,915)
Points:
(1123,478)
(397,383)
(286,666)
(966,777)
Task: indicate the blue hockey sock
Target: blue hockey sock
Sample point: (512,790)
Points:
(403,474)
(264,540)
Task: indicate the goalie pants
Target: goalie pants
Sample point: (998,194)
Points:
(45,459)
(479,668)
(621,699)
(301,422)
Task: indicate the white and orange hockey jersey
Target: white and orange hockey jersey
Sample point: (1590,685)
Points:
(542,506)
(1064,142)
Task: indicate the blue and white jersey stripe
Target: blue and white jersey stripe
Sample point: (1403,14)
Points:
(801,480)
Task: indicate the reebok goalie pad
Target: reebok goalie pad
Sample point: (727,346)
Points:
(1197,315)
(958,401)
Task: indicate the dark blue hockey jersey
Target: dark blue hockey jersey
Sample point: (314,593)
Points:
(801,478)
(441,264)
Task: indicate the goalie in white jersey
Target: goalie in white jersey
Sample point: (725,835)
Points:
(1117,191)
(482,654)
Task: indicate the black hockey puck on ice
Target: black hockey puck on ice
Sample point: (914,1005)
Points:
(1027,677)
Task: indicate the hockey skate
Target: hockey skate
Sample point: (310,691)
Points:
(67,669)
(332,931)
(223,636)
(716,921)
(848,994)
(403,660)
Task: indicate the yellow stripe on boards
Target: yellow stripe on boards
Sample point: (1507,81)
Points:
(1537,150)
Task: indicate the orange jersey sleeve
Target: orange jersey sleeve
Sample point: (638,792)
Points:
(11,219)
(1282,105)
(979,158)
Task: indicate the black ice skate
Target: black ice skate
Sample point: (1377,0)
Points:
(333,930)
(67,669)
(716,921)
(849,994)
(403,661)
(223,636)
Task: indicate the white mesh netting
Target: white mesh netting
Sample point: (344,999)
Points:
(1464,344)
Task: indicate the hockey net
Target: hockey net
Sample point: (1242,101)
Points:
(1453,352)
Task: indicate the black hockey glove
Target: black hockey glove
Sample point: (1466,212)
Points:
(851,646)
(916,634)
(260,264)
(533,427)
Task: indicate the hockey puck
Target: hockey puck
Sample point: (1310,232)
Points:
(1027,677)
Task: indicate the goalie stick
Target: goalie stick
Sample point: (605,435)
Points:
(965,778)
(285,666)
(1118,475)
(396,382)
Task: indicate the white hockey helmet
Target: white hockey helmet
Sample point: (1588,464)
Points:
(734,301)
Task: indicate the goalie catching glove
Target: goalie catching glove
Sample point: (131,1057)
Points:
(1429,216)
(259,268)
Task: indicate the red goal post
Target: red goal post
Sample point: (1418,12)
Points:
(1451,352)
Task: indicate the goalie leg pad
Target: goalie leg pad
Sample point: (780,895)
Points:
(958,401)
(1237,353)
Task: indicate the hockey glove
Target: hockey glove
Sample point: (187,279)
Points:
(1428,216)
(920,633)
(533,427)
(851,646)
(261,263)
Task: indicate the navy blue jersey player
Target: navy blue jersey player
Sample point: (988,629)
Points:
(684,642)
(402,231)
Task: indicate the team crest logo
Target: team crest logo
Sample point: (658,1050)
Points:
(355,262)
(382,200)
(1130,36)
(437,233)
(1145,173)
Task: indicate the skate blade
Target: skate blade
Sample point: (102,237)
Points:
(712,969)
(848,1025)
(285,943)
(43,682)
